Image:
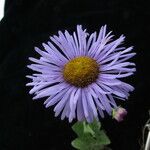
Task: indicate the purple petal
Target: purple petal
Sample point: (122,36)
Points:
(104,100)
(53,99)
(58,108)
(75,96)
(98,89)
(91,103)
(84,103)
(51,90)
(80,113)
(65,111)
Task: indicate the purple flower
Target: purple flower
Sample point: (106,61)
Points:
(119,114)
(80,73)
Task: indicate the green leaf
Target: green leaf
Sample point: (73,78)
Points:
(81,144)
(95,126)
(102,138)
(78,144)
(90,137)
(78,128)
(88,129)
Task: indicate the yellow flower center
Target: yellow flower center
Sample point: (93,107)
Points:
(81,71)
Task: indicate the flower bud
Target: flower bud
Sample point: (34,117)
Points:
(119,114)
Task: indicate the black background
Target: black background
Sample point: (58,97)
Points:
(26,124)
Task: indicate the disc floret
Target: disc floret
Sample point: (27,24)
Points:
(81,71)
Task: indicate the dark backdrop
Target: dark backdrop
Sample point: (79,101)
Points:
(25,124)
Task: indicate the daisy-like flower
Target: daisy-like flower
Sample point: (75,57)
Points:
(80,73)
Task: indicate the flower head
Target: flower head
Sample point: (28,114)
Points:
(80,73)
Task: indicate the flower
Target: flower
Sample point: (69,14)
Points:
(80,73)
(119,114)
